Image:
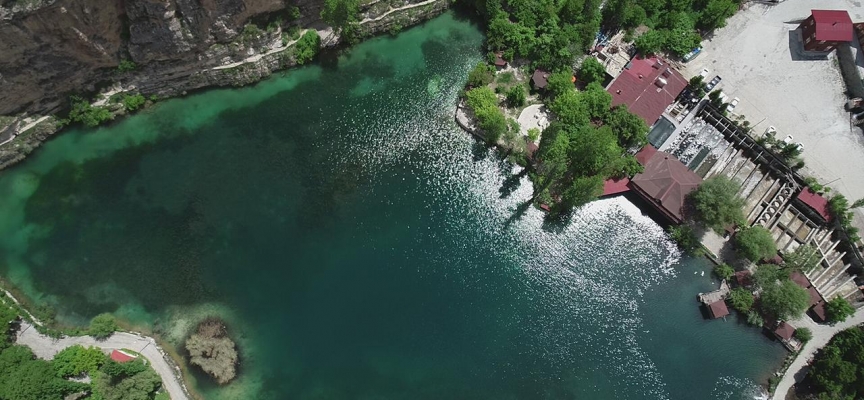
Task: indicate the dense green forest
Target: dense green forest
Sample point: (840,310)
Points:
(837,371)
(675,25)
(25,377)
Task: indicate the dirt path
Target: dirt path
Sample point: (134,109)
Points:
(821,335)
(46,348)
(392,10)
(259,56)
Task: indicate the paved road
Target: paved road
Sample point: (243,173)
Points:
(821,335)
(46,348)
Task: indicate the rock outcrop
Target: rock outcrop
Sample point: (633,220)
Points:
(211,349)
(53,48)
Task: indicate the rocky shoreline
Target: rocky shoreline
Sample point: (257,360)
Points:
(243,60)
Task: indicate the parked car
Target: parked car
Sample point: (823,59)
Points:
(788,139)
(710,86)
(800,146)
(704,73)
(692,54)
(732,105)
(771,131)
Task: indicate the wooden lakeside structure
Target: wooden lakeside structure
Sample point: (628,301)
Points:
(716,295)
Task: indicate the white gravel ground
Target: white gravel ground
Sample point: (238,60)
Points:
(800,97)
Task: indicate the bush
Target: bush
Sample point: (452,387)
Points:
(838,309)
(755,243)
(126,65)
(685,237)
(803,334)
(516,96)
(484,103)
(86,114)
(134,102)
(741,300)
(76,360)
(481,75)
(833,370)
(753,318)
(102,326)
(307,47)
(724,271)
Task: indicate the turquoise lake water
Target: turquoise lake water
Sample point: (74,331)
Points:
(361,246)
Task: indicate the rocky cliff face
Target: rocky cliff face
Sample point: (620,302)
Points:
(50,49)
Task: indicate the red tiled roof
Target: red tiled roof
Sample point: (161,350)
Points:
(815,297)
(121,357)
(666,182)
(539,79)
(800,279)
(816,202)
(718,309)
(614,186)
(784,331)
(645,154)
(647,86)
(819,310)
(743,278)
(499,61)
(833,25)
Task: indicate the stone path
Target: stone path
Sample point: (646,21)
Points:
(46,348)
(821,335)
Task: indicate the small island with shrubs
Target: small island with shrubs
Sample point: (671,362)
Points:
(213,351)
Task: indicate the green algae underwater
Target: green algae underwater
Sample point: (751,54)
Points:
(361,246)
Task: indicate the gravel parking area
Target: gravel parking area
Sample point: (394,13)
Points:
(757,55)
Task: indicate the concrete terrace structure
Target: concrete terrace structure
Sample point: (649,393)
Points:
(647,86)
(665,182)
(824,30)
(774,196)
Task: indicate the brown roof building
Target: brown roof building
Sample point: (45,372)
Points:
(647,86)
(665,183)
(800,279)
(718,309)
(540,79)
(784,331)
(824,30)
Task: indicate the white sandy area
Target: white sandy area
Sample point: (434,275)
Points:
(800,97)
(533,116)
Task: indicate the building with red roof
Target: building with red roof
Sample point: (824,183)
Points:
(819,312)
(647,86)
(824,30)
(744,278)
(614,186)
(718,309)
(800,279)
(121,356)
(815,297)
(645,154)
(784,331)
(540,79)
(665,183)
(815,202)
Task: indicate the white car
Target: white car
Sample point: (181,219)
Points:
(704,73)
(800,146)
(788,139)
(732,105)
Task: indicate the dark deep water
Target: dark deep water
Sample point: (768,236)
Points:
(362,246)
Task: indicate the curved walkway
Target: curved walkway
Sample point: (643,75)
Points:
(46,347)
(821,335)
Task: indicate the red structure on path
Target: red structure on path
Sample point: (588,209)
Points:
(121,357)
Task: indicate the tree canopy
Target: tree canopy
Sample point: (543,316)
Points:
(717,203)
(838,309)
(591,71)
(803,258)
(785,300)
(838,368)
(484,104)
(741,300)
(102,326)
(755,243)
